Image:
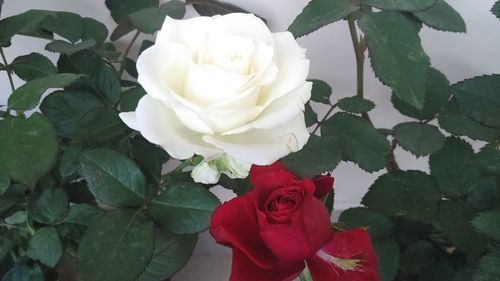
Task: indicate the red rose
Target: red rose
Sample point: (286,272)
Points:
(277,226)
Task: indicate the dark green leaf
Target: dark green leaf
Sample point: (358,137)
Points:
(50,206)
(33,66)
(28,95)
(145,44)
(396,54)
(5,245)
(108,50)
(400,5)
(310,116)
(130,67)
(18,217)
(78,192)
(59,46)
(27,23)
(66,108)
(171,253)
(68,25)
(453,168)
(211,8)
(320,153)
(441,270)
(418,256)
(478,97)
(238,186)
(117,247)
(107,84)
(488,269)
(184,207)
(151,19)
(388,258)
(14,195)
(24,273)
(437,94)
(456,122)
(149,157)
(131,98)
(361,143)
(113,178)
(93,29)
(82,214)
(488,159)
(121,30)
(356,104)
(319,13)
(411,194)
(45,246)
(99,125)
(29,148)
(321,91)
(120,9)
(455,219)
(377,225)
(488,223)
(484,195)
(443,17)
(419,139)
(496,9)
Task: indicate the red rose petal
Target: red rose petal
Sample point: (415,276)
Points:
(244,270)
(257,170)
(324,185)
(307,232)
(353,245)
(234,224)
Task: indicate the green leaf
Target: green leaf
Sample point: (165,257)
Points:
(377,225)
(28,95)
(320,153)
(50,206)
(4,184)
(442,17)
(388,258)
(321,91)
(117,247)
(453,168)
(66,24)
(496,9)
(5,245)
(418,256)
(356,104)
(65,108)
(171,253)
(145,44)
(120,9)
(131,98)
(488,159)
(484,195)
(441,270)
(184,207)
(400,5)
(99,125)
(113,178)
(82,214)
(27,23)
(59,46)
(310,116)
(455,219)
(211,8)
(130,67)
(488,223)
(18,217)
(456,122)
(28,148)
(488,269)
(45,246)
(151,19)
(437,94)
(149,157)
(13,196)
(478,97)
(319,13)
(419,139)
(361,143)
(396,54)
(93,29)
(33,66)
(24,273)
(121,30)
(418,200)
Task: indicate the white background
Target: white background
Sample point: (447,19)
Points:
(459,56)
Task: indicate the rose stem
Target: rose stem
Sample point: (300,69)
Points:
(125,54)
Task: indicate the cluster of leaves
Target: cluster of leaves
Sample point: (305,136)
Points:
(78,189)
(439,226)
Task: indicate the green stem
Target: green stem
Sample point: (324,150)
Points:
(125,54)
(320,122)
(359,53)
(9,74)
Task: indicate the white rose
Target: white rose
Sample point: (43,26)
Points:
(223,86)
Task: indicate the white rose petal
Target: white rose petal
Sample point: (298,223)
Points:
(225,88)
